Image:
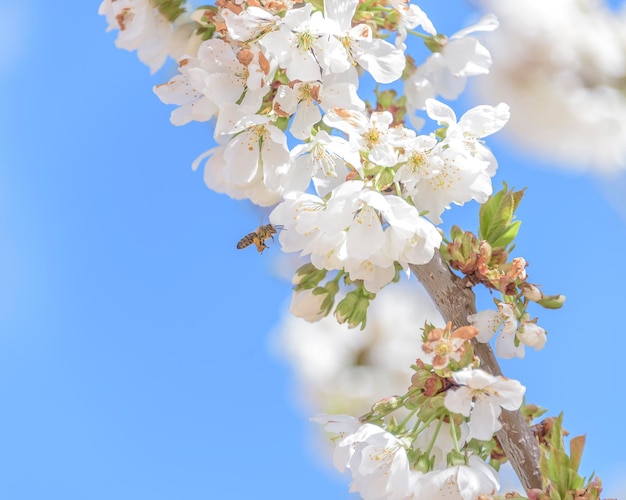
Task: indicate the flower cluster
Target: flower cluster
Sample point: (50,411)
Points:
(359,192)
(484,260)
(441,448)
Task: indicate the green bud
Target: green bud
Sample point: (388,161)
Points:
(308,276)
(387,405)
(423,463)
(552,301)
(456,232)
(353,308)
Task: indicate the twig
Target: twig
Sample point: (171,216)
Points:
(456,302)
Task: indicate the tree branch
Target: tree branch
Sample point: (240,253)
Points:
(456,302)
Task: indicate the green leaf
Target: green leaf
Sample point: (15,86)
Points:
(508,235)
(576,446)
(496,217)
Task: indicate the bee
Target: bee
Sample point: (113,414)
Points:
(258,237)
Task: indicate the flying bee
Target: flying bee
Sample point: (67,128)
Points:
(258,237)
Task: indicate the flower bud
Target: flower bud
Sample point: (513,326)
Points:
(353,309)
(532,335)
(308,276)
(387,405)
(309,304)
(531,292)
(552,301)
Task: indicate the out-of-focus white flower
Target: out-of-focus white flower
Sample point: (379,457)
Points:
(482,397)
(567,92)
(141,27)
(339,370)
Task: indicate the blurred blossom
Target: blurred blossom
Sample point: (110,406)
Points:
(561,67)
(346,371)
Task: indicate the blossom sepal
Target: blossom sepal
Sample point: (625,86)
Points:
(352,309)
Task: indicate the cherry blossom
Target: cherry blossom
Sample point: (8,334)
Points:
(481,397)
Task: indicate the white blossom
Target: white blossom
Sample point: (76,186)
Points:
(514,334)
(461,482)
(141,27)
(327,159)
(346,232)
(373,133)
(301,43)
(380,58)
(482,397)
(457,169)
(376,459)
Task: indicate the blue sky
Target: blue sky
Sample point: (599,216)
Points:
(134,353)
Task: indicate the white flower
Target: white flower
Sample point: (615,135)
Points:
(455,170)
(411,16)
(256,151)
(513,331)
(299,43)
(193,104)
(489,321)
(373,134)
(377,459)
(223,75)
(445,73)
(532,335)
(215,77)
(357,229)
(303,99)
(381,59)
(327,159)
(466,56)
(141,27)
(482,397)
(462,482)
(249,23)
(475,124)
(217,178)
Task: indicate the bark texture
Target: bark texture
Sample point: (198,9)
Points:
(456,302)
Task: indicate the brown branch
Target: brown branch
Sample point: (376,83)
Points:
(456,302)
